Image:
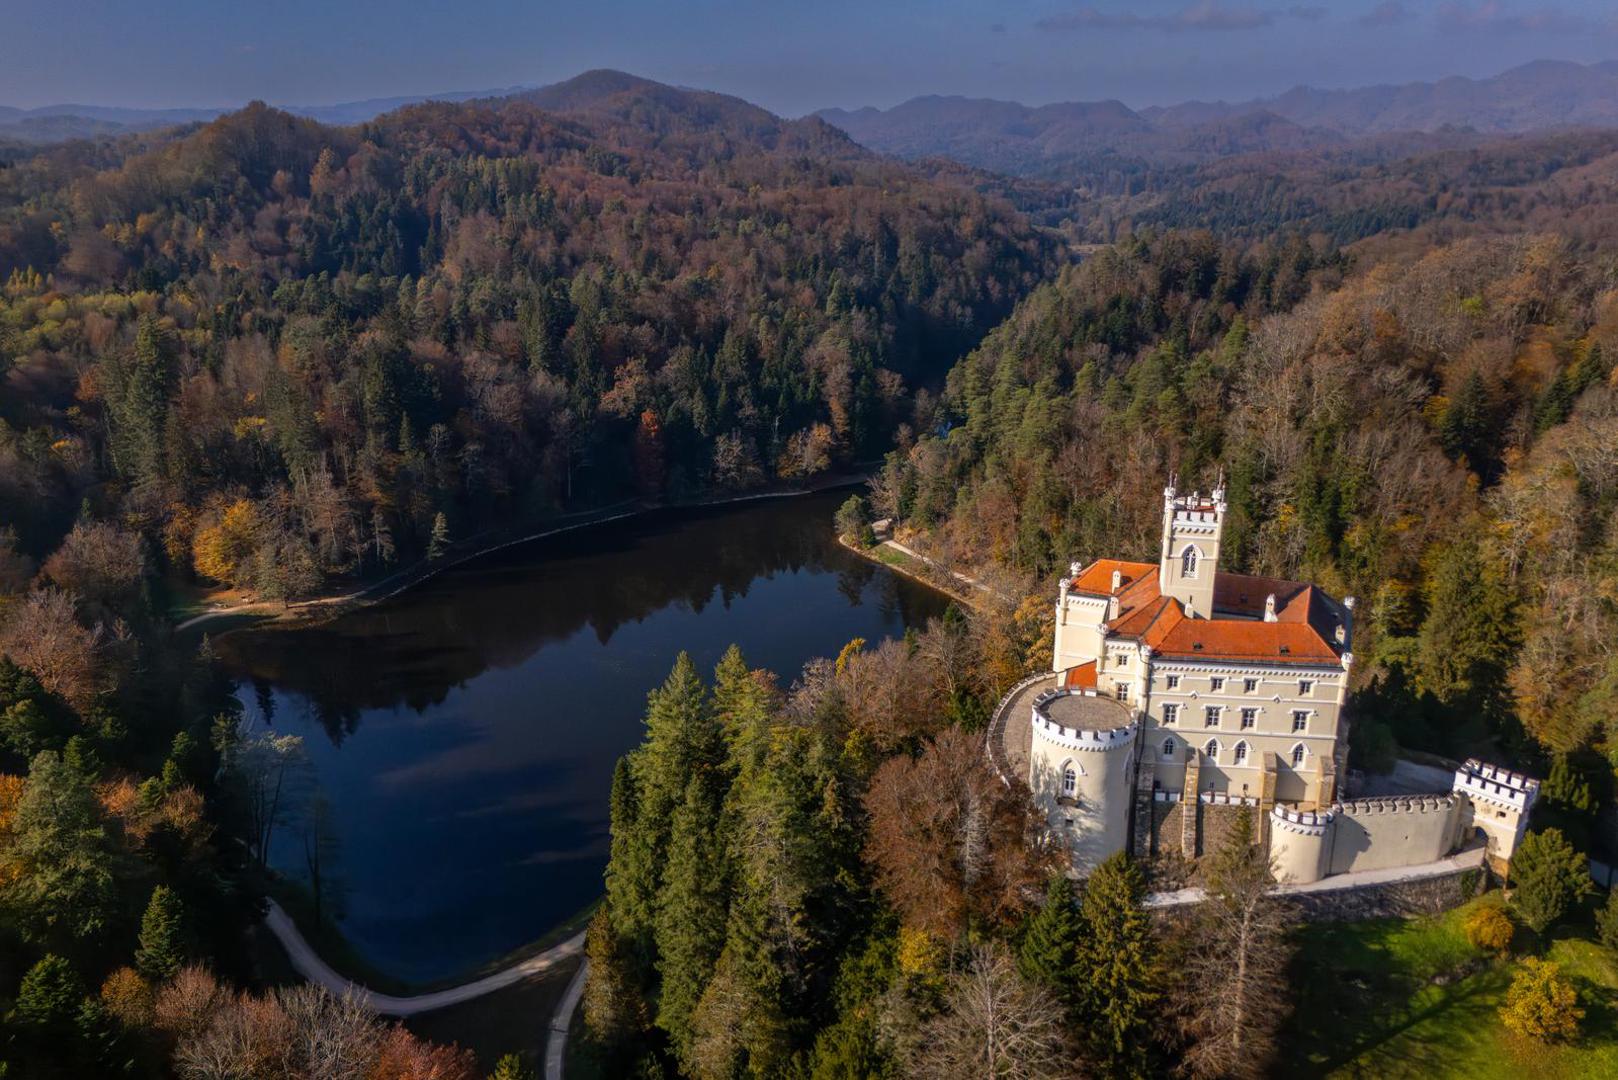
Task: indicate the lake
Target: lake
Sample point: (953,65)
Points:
(463,734)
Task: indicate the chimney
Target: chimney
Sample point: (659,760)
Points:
(1117,579)
(1112,607)
(1269,608)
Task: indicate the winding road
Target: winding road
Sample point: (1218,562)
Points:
(308,964)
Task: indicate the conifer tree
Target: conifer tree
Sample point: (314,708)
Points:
(681,737)
(162,936)
(1050,946)
(692,909)
(1118,981)
(1548,876)
(632,870)
(48,999)
(438,542)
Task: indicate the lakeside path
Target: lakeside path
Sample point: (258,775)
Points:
(308,964)
(561,1020)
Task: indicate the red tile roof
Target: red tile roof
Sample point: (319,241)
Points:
(1303,633)
(1082,677)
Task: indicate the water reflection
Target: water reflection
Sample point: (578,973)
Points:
(464,734)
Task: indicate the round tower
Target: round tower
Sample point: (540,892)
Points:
(1299,844)
(1080,771)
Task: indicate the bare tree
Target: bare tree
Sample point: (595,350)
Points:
(948,839)
(1232,978)
(997,1026)
(333,1038)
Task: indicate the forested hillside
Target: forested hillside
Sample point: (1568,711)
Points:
(288,351)
(1431,431)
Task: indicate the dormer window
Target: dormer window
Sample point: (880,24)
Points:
(1188,562)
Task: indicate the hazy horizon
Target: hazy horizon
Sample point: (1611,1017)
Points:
(187,54)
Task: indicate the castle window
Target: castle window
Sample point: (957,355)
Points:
(1216,684)
(1188,562)
(1249,686)
(1241,753)
(1168,748)
(1300,720)
(1305,687)
(1212,749)
(1070,781)
(1171,682)
(1121,691)
(1298,754)
(1171,712)
(1210,716)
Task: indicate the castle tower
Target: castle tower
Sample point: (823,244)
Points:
(1192,527)
(1497,802)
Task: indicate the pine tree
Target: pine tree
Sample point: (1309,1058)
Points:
(1468,634)
(162,936)
(438,542)
(1548,876)
(1118,977)
(513,1067)
(71,890)
(682,736)
(632,870)
(692,910)
(48,999)
(1050,946)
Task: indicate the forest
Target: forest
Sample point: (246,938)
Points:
(281,358)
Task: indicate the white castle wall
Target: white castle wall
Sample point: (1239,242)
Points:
(1376,834)
(1095,823)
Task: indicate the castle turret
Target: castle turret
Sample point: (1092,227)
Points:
(1192,527)
(1498,802)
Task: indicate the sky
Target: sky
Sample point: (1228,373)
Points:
(791,57)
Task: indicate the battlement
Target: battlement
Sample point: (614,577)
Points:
(1492,784)
(1222,798)
(1396,804)
(1080,719)
(1302,822)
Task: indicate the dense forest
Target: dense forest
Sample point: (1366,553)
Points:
(277,356)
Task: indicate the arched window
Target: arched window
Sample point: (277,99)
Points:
(1298,754)
(1168,748)
(1212,749)
(1241,753)
(1188,562)
(1070,780)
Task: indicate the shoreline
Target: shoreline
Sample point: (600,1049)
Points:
(353,968)
(319,609)
(909,556)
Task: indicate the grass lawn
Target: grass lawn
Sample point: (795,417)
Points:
(1412,998)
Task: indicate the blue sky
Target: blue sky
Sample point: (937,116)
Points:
(792,57)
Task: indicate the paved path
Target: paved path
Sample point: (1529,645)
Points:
(561,1020)
(316,970)
(1354,879)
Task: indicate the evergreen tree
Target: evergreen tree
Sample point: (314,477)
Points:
(48,999)
(1467,426)
(632,870)
(1050,945)
(1548,876)
(69,890)
(162,936)
(438,542)
(513,1067)
(1466,640)
(692,910)
(1118,978)
(1607,922)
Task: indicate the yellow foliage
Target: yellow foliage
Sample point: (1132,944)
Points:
(920,953)
(1541,1004)
(1490,928)
(129,998)
(217,551)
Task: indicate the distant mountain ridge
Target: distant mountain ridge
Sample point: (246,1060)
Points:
(1032,140)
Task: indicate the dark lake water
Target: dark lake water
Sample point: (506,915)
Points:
(464,734)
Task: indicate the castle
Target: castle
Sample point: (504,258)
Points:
(1182,695)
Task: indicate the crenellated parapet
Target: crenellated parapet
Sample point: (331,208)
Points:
(1496,786)
(1300,822)
(1081,719)
(1396,804)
